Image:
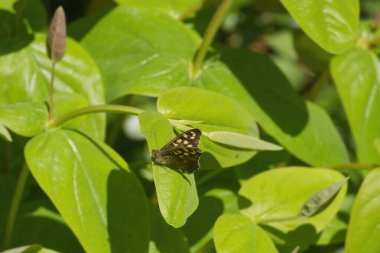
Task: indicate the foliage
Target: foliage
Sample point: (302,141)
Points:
(287,99)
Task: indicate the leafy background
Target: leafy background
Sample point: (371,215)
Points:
(297,74)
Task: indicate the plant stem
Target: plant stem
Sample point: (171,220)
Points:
(210,34)
(51,103)
(282,219)
(318,85)
(95,109)
(209,176)
(15,206)
(20,7)
(355,166)
(8,148)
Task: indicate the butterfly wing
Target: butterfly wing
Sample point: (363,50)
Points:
(183,159)
(188,139)
(182,152)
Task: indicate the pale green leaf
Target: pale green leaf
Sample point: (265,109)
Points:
(176,193)
(363,230)
(241,141)
(357,78)
(235,233)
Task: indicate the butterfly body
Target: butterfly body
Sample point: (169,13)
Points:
(181,153)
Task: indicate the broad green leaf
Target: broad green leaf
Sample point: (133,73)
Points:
(320,199)
(333,25)
(176,193)
(174,8)
(357,77)
(241,141)
(165,239)
(47,226)
(26,76)
(99,198)
(4,133)
(275,197)
(188,103)
(235,233)
(301,127)
(363,232)
(26,119)
(150,52)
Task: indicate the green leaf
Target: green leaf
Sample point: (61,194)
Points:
(301,127)
(356,75)
(241,141)
(235,233)
(26,119)
(174,8)
(275,197)
(35,248)
(152,52)
(363,232)
(4,133)
(91,186)
(333,25)
(176,193)
(320,199)
(188,103)
(25,249)
(26,76)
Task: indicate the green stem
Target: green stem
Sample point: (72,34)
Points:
(14,206)
(95,109)
(209,176)
(271,220)
(8,156)
(210,34)
(353,166)
(51,103)
(20,7)
(374,41)
(318,85)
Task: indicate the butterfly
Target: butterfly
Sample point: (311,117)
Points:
(181,153)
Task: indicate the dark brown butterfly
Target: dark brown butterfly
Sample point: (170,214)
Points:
(181,153)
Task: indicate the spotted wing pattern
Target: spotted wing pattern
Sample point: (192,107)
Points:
(181,153)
